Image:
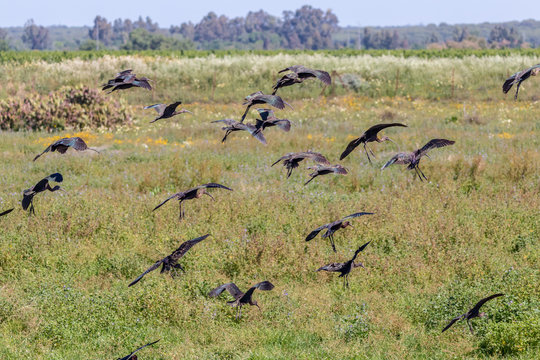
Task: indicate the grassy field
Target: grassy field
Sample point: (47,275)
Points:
(437,247)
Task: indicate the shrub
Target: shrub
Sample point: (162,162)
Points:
(73,108)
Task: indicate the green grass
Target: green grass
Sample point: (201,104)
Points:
(437,247)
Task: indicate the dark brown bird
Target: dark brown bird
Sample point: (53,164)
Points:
(332,227)
(118,79)
(299,74)
(473,313)
(64,144)
(268,119)
(193,193)
(346,267)
(520,77)
(324,170)
(258,98)
(166,111)
(234,125)
(413,158)
(241,299)
(6,212)
(291,160)
(42,185)
(132,356)
(171,261)
(369,136)
(127,81)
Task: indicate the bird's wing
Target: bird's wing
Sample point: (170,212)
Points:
(172,107)
(185,246)
(284,157)
(167,199)
(333,267)
(6,212)
(483,301)
(27,199)
(78,144)
(264,285)
(132,357)
(352,145)
(160,108)
(142,83)
(230,287)
(319,74)
(432,144)
(151,268)
(376,128)
(339,170)
(316,157)
(360,249)
(452,322)
(215,185)
(315,232)
(254,131)
(356,215)
(274,100)
(508,83)
(229,122)
(294,68)
(399,158)
(283,124)
(44,151)
(266,114)
(56,177)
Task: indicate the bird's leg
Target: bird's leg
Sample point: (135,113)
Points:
(245,113)
(32,211)
(178,266)
(418,167)
(517,90)
(470,326)
(371,151)
(226,134)
(181,216)
(417,173)
(289,172)
(347,277)
(367,153)
(332,243)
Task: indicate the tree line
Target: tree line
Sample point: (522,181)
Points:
(305,28)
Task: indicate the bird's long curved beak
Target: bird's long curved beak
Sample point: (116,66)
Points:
(210,196)
(187,111)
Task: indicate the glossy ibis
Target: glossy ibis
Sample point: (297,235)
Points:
(346,267)
(166,111)
(64,144)
(42,185)
(241,299)
(258,98)
(518,78)
(324,170)
(413,158)
(268,119)
(132,356)
(369,136)
(118,79)
(233,125)
(193,193)
(171,261)
(332,227)
(127,81)
(298,74)
(291,160)
(473,313)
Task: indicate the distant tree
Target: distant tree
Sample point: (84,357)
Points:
(4,44)
(501,36)
(460,33)
(309,28)
(211,28)
(142,39)
(37,37)
(187,30)
(101,31)
(146,24)
(383,39)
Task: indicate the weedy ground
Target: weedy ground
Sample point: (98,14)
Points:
(437,247)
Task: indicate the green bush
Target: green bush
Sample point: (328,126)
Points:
(511,338)
(74,108)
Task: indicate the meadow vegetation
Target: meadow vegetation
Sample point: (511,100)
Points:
(437,247)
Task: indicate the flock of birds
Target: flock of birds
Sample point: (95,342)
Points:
(296,74)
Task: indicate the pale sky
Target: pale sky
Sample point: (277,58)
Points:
(351,12)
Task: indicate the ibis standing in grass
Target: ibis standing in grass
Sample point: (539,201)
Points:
(413,158)
(370,135)
(241,299)
(193,193)
(332,227)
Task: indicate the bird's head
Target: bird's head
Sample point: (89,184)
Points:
(386,138)
(346,224)
(535,71)
(205,192)
(359,264)
(254,303)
